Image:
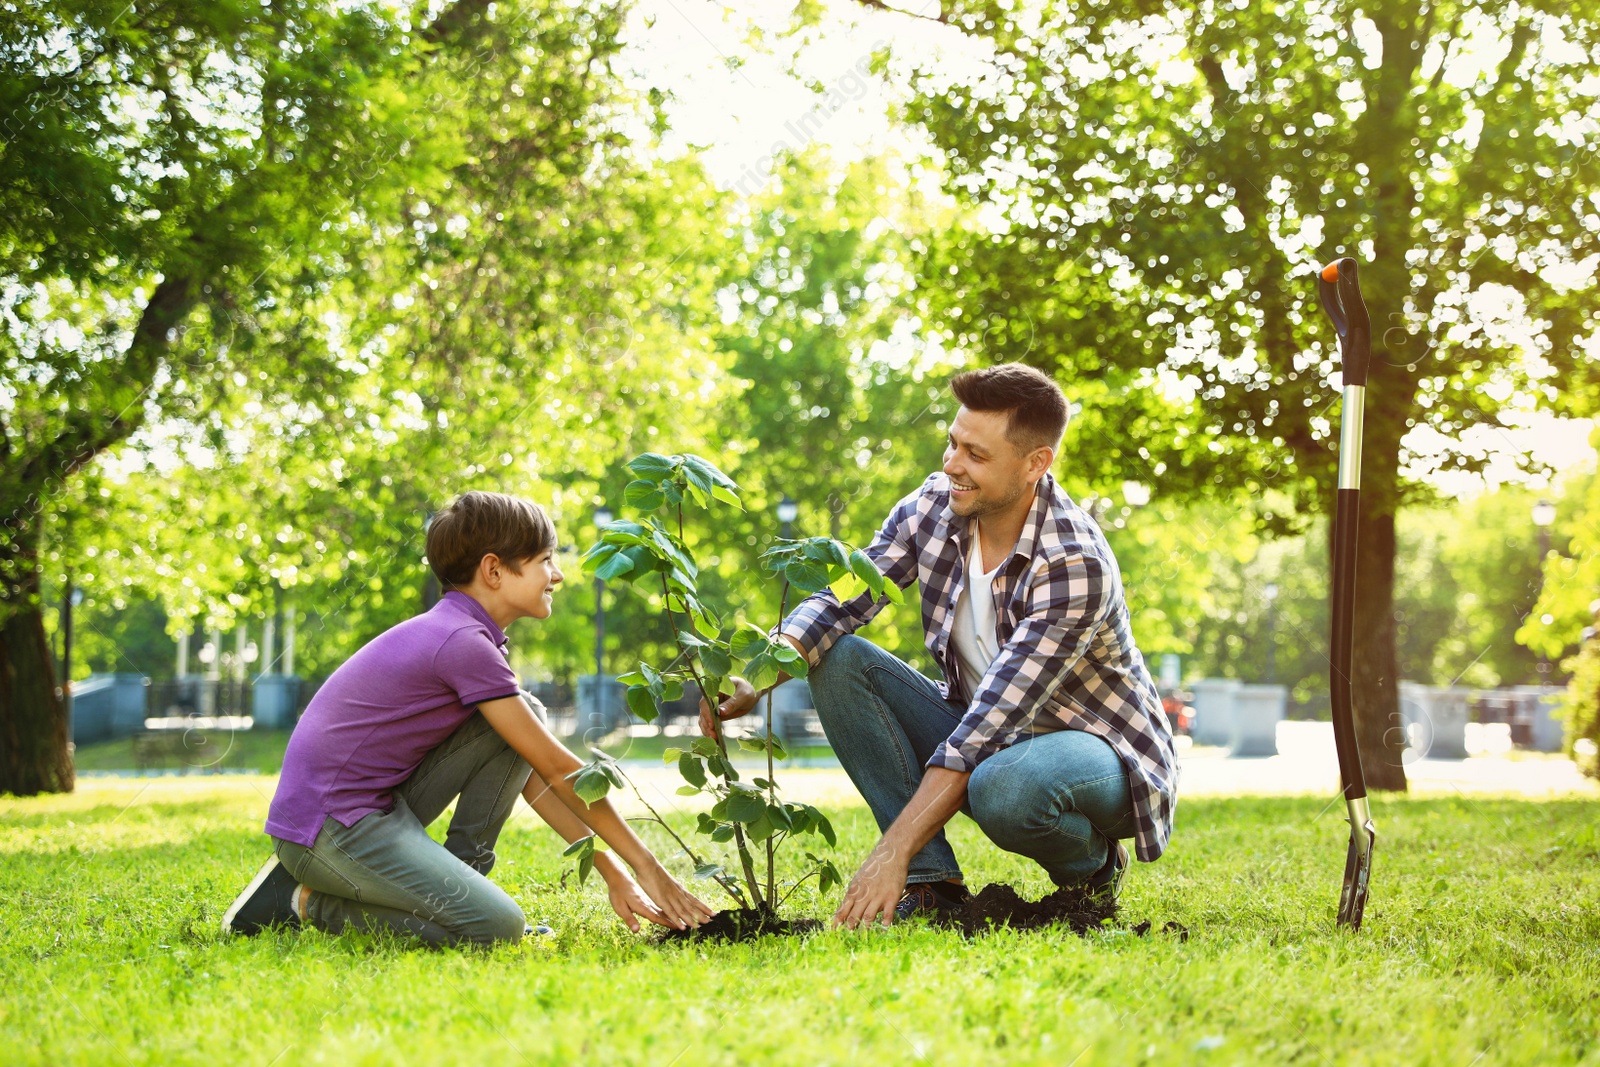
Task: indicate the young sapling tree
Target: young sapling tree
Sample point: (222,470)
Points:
(653,554)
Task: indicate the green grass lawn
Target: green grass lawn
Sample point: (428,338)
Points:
(1482,946)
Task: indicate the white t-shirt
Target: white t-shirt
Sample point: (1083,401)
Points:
(973,634)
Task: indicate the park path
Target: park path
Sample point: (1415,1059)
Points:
(1305,765)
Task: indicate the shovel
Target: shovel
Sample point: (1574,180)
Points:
(1341,298)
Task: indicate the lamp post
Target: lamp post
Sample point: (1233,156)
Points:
(788,511)
(1271,593)
(602,518)
(1544,516)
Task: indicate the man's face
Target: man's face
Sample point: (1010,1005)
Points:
(987,475)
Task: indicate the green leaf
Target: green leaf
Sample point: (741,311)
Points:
(751,744)
(716,661)
(780,817)
(644,561)
(761,671)
(582,844)
(688,790)
(777,746)
(706,622)
(625,532)
(642,703)
(760,828)
(597,556)
(585,866)
(699,478)
(806,576)
(614,773)
(825,828)
(727,496)
(701,494)
(652,465)
(692,770)
(724,832)
(590,783)
(895,594)
(646,496)
(828,876)
(722,769)
(704,746)
(710,470)
(671,755)
(742,807)
(837,554)
(615,567)
(862,567)
(633,678)
(708,870)
(748,640)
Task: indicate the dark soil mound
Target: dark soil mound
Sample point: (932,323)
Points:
(743,924)
(1000,905)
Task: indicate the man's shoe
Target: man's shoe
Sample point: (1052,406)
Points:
(537,931)
(267,901)
(930,898)
(1107,885)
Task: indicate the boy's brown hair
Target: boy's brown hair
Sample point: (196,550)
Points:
(1036,408)
(478,523)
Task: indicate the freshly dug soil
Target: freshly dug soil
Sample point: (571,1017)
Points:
(999,905)
(743,924)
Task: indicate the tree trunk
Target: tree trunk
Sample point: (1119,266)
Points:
(34,754)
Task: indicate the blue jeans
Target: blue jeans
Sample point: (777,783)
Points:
(1061,799)
(385,872)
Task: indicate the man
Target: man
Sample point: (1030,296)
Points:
(1047,730)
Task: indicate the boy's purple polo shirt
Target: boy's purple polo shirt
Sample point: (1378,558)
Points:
(387,707)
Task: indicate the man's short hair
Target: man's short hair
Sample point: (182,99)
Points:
(478,523)
(1035,406)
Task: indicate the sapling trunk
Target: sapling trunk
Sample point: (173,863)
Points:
(772,774)
(746,863)
(729,886)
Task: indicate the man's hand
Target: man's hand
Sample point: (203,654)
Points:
(740,703)
(743,699)
(881,881)
(875,890)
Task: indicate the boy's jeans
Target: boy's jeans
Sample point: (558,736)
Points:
(1061,799)
(385,872)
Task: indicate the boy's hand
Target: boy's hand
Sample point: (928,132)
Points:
(630,903)
(679,908)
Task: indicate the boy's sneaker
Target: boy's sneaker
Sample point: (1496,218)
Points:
(930,898)
(537,931)
(267,901)
(1107,885)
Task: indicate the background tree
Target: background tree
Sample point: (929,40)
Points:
(1161,183)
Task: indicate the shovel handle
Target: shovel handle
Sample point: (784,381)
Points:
(1340,288)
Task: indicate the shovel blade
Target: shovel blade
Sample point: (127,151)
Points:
(1357,865)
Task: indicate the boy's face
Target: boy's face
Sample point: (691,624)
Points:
(532,592)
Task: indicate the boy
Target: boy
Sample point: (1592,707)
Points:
(426,713)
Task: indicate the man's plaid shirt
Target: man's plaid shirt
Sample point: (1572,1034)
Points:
(1067,658)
